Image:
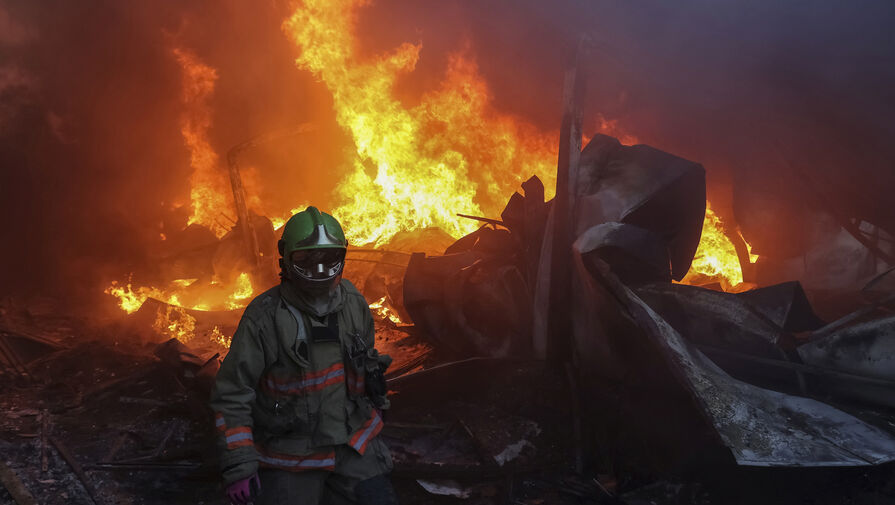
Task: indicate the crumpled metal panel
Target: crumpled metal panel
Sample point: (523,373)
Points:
(865,349)
(758,426)
(785,304)
(713,318)
(642,186)
(637,256)
(470,303)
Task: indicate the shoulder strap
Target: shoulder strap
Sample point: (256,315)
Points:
(302,333)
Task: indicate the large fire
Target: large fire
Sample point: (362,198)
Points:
(210,196)
(211,204)
(413,166)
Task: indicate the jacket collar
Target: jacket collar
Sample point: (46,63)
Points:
(310,304)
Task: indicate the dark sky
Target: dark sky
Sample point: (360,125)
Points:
(789,105)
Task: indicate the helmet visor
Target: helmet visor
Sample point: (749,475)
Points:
(318,264)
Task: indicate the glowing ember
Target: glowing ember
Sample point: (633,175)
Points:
(381,309)
(219,338)
(716,258)
(210,196)
(417,166)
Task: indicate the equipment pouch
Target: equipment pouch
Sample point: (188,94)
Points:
(374,380)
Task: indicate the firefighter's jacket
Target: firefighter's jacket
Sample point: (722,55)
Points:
(292,388)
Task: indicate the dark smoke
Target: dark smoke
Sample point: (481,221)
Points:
(789,105)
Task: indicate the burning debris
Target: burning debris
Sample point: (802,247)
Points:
(489,403)
(755,379)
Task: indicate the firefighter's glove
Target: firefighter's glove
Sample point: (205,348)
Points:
(244,492)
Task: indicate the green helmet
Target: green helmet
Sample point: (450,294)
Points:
(313,246)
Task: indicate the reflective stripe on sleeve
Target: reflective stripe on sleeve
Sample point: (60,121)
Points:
(219,423)
(239,437)
(366,433)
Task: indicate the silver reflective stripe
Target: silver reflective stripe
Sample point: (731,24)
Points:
(219,422)
(302,333)
(305,463)
(324,238)
(360,442)
(236,437)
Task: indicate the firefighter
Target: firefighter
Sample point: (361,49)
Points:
(298,400)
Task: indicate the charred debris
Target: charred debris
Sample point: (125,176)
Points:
(552,359)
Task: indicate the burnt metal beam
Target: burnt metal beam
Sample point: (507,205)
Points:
(496,222)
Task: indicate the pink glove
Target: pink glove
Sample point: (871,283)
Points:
(243,492)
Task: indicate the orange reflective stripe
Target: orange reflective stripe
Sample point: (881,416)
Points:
(314,381)
(325,371)
(219,422)
(240,436)
(317,461)
(362,436)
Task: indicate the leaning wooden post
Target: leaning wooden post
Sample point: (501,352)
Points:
(246,226)
(559,343)
(263,267)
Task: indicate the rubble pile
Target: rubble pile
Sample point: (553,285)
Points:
(117,420)
(668,393)
(671,380)
(657,392)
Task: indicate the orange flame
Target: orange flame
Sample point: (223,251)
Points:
(187,294)
(414,167)
(175,322)
(380,308)
(210,200)
(716,258)
(210,197)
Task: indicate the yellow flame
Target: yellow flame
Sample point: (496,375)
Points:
(243,291)
(279,222)
(128,299)
(219,338)
(175,322)
(752,257)
(716,257)
(186,293)
(381,308)
(417,166)
(210,198)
